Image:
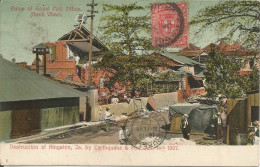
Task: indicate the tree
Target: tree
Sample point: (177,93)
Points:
(124,30)
(249,82)
(126,33)
(238,19)
(130,71)
(221,76)
(167,76)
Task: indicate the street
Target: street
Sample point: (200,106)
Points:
(96,135)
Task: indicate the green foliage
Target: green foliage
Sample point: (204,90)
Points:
(249,82)
(220,76)
(124,30)
(126,33)
(130,71)
(167,76)
(238,19)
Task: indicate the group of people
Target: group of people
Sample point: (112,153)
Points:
(123,133)
(253,133)
(217,126)
(124,98)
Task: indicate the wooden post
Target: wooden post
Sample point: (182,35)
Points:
(249,100)
(227,139)
(44,71)
(90,42)
(86,110)
(37,63)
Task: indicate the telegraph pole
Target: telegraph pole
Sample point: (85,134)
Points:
(92,5)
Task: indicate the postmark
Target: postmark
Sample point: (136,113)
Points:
(169,24)
(146,131)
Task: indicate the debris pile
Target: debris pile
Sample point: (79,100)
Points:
(120,118)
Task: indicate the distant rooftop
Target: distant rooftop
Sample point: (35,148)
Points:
(178,58)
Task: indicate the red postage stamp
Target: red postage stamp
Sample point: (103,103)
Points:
(170,24)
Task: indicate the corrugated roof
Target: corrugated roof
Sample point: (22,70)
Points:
(178,58)
(182,71)
(201,74)
(18,84)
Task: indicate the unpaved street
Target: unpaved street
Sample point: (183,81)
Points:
(85,135)
(94,135)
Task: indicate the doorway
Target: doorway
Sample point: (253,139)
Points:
(254,113)
(25,123)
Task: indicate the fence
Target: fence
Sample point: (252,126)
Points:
(236,119)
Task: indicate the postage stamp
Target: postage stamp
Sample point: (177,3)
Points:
(170,24)
(146,132)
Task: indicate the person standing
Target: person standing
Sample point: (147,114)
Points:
(108,116)
(223,116)
(100,113)
(256,130)
(253,134)
(212,127)
(123,135)
(185,127)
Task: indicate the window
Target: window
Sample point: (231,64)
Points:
(251,63)
(52,53)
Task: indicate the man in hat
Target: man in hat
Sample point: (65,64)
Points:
(123,135)
(185,127)
(108,116)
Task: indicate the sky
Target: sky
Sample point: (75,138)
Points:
(21,26)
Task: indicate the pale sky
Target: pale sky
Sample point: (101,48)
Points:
(19,32)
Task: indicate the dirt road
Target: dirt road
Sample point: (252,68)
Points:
(85,135)
(94,135)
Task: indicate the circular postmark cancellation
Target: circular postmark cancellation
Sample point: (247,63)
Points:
(146,131)
(167,24)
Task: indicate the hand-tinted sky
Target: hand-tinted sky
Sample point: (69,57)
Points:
(19,32)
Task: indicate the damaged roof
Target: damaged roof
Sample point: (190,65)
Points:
(79,38)
(19,84)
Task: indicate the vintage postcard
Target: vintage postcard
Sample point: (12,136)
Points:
(129,82)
